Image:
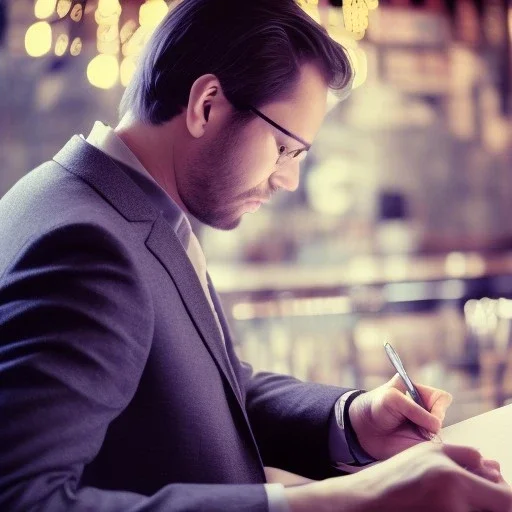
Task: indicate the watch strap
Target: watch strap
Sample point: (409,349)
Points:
(359,455)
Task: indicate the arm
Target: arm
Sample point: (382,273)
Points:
(291,421)
(76,324)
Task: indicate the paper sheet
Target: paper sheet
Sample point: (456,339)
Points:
(490,433)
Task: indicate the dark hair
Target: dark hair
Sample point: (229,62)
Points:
(254,47)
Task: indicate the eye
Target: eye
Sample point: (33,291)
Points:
(300,154)
(282,149)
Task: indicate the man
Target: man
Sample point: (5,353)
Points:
(120,389)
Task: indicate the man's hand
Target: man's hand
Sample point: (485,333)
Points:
(385,418)
(426,478)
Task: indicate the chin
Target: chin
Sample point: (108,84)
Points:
(228,225)
(224,222)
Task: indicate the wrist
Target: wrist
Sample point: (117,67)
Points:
(349,493)
(304,498)
(351,422)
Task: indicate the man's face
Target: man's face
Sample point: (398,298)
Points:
(233,171)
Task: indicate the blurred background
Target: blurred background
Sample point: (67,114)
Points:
(401,229)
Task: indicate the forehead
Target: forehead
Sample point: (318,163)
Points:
(304,111)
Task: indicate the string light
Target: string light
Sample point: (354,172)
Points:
(76,47)
(103,70)
(61,45)
(109,7)
(76,13)
(355,15)
(108,12)
(108,39)
(38,39)
(63,8)
(127,31)
(112,42)
(44,8)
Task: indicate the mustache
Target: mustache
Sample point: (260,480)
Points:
(261,195)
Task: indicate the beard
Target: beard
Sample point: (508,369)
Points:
(211,184)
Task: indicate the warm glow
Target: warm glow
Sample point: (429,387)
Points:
(63,8)
(38,39)
(134,45)
(108,39)
(127,31)
(127,69)
(108,12)
(44,8)
(152,12)
(77,13)
(61,45)
(76,47)
(510,23)
(359,65)
(109,7)
(103,71)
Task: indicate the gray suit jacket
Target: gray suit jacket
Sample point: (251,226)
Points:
(116,392)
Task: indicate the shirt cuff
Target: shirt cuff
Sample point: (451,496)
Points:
(276,498)
(339,452)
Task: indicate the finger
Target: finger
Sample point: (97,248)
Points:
(399,403)
(491,464)
(483,494)
(488,473)
(464,456)
(493,470)
(488,496)
(471,460)
(436,400)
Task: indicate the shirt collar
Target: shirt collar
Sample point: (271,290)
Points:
(104,138)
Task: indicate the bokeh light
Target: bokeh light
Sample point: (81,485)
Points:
(127,69)
(61,45)
(38,39)
(152,12)
(44,8)
(103,71)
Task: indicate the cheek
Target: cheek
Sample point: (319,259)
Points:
(258,158)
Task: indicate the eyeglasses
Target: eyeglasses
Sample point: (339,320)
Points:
(284,156)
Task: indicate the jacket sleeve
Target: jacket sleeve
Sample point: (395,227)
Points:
(291,421)
(76,323)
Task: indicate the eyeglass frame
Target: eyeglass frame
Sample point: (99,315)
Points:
(284,157)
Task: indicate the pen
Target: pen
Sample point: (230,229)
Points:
(411,388)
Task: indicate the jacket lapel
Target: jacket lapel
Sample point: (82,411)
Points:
(164,244)
(112,181)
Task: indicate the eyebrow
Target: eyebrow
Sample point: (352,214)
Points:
(307,145)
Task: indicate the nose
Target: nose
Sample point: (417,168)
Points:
(286,177)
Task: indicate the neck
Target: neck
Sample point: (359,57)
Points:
(154,148)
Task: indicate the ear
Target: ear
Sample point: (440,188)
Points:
(205,94)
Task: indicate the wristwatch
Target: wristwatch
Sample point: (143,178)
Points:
(359,457)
